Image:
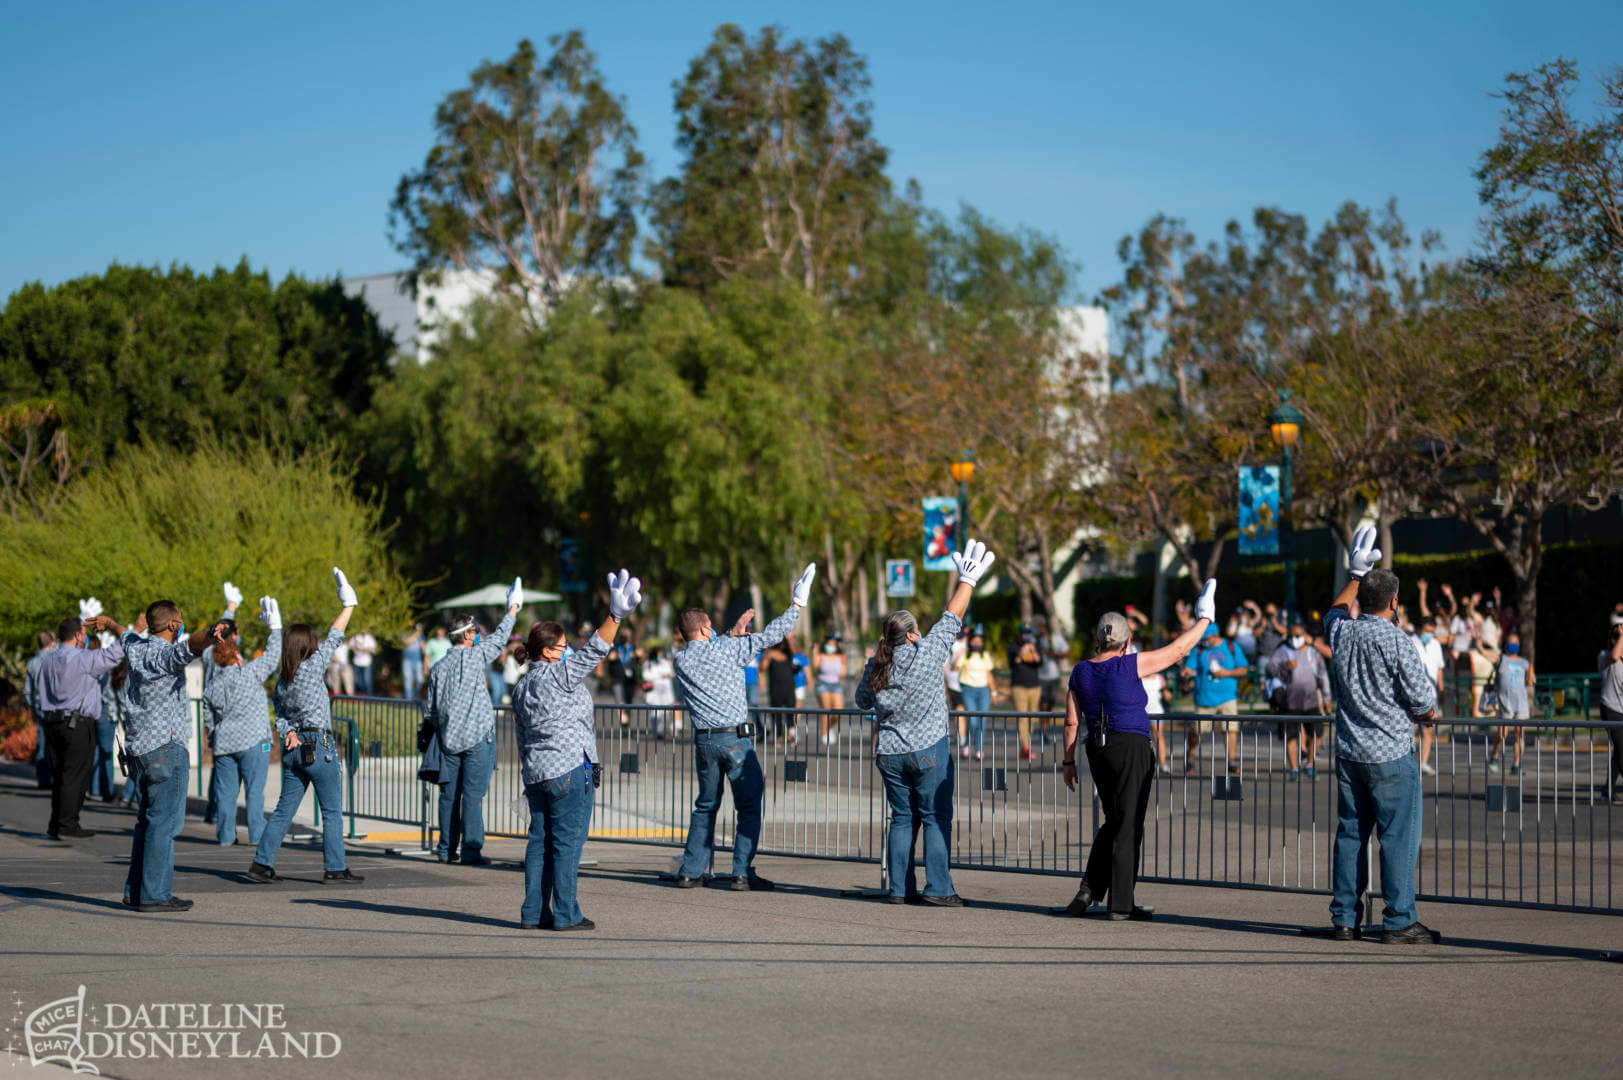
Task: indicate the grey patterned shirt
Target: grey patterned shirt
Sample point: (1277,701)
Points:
(1381,687)
(710,674)
(303,702)
(157,710)
(912,709)
(234,711)
(459,695)
(552,713)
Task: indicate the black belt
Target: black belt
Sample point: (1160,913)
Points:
(56,716)
(745,730)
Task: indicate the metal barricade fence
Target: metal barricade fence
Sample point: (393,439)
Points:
(1542,836)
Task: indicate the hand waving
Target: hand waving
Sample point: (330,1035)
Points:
(346,592)
(973,562)
(625,593)
(1364,555)
(803,584)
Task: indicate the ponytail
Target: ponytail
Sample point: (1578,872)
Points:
(898,624)
(543,636)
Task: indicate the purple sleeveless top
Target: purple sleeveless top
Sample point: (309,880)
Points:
(1113,687)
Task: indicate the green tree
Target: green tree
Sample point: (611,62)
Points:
(182,359)
(154,524)
(781,175)
(532,178)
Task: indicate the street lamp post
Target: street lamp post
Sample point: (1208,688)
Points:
(963,470)
(1285,425)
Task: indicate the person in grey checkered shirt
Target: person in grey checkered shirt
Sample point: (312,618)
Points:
(458,706)
(1381,689)
(309,754)
(236,718)
(552,712)
(905,688)
(710,676)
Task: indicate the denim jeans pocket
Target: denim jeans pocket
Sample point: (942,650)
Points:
(558,786)
(926,761)
(738,753)
(158,771)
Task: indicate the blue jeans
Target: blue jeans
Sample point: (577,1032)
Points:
(498,686)
(42,756)
(719,754)
(464,779)
(160,786)
(977,702)
(752,695)
(101,774)
(1383,798)
(327,774)
(249,766)
(560,815)
(411,676)
(363,680)
(918,786)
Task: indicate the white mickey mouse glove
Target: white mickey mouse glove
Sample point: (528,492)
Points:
(270,613)
(233,596)
(1206,602)
(346,592)
(973,562)
(89,609)
(515,593)
(625,593)
(1364,556)
(803,584)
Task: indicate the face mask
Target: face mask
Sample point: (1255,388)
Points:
(1428,637)
(977,648)
(1298,641)
(1513,648)
(830,647)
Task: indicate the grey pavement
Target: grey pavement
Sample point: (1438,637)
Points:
(421,972)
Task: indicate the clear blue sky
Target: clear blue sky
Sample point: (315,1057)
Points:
(203,132)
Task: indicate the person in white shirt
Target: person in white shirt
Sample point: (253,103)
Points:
(660,675)
(955,690)
(1431,655)
(362,648)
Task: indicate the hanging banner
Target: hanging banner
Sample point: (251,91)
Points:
(940,532)
(1259,509)
(898,577)
(571,574)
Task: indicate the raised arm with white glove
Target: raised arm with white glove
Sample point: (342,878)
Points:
(515,595)
(1206,602)
(625,593)
(233,596)
(972,565)
(803,584)
(270,613)
(1363,556)
(346,591)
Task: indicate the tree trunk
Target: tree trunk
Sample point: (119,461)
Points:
(1213,557)
(1387,514)
(1525,573)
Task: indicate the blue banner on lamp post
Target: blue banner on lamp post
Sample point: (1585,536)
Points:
(940,532)
(1259,510)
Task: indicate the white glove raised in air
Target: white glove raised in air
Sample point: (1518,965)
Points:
(233,595)
(1364,555)
(89,609)
(1206,602)
(346,591)
(625,593)
(515,594)
(270,613)
(803,584)
(973,562)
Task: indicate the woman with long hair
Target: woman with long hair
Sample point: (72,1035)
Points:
(309,754)
(778,665)
(831,686)
(902,684)
(975,683)
(552,711)
(1107,693)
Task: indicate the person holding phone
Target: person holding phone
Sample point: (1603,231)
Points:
(309,754)
(552,713)
(1107,694)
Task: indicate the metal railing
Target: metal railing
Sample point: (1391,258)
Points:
(1541,836)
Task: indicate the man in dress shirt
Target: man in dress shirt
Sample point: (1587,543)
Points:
(69,690)
(157,727)
(710,675)
(458,700)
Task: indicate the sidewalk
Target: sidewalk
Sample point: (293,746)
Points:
(420,972)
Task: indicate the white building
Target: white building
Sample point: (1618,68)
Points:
(416,322)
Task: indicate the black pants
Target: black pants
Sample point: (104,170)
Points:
(1612,716)
(1122,769)
(73,752)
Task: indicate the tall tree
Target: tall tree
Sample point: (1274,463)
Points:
(532,178)
(781,174)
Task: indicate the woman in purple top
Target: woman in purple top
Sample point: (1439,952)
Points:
(1107,694)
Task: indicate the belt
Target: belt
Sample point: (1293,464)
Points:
(745,730)
(72,716)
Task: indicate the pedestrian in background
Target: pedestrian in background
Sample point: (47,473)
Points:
(1305,685)
(1381,691)
(1610,662)
(363,650)
(975,683)
(413,667)
(69,689)
(1025,687)
(1513,678)
(1217,667)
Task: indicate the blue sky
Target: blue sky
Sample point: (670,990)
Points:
(200,133)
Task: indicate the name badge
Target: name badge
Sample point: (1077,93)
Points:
(265,746)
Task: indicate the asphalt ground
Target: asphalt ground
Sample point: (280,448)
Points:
(421,971)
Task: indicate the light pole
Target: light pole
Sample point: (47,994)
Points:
(963,470)
(1285,424)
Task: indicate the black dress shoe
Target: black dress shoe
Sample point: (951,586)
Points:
(475,860)
(341,877)
(534,926)
(260,874)
(53,836)
(1138,914)
(109,798)
(1080,903)
(174,903)
(688,882)
(953,900)
(78,833)
(584,924)
(1333,933)
(910,898)
(751,883)
(1416,933)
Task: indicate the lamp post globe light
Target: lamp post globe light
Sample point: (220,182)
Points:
(962,470)
(1284,426)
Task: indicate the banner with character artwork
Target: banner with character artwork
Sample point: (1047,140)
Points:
(1259,509)
(940,532)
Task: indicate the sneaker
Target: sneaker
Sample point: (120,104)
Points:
(584,924)
(953,900)
(688,882)
(174,903)
(1234,768)
(1427,769)
(260,874)
(1515,770)
(963,751)
(341,877)
(1025,753)
(1292,775)
(1493,764)
(1162,771)
(979,756)
(1416,933)
(751,883)
(1311,772)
